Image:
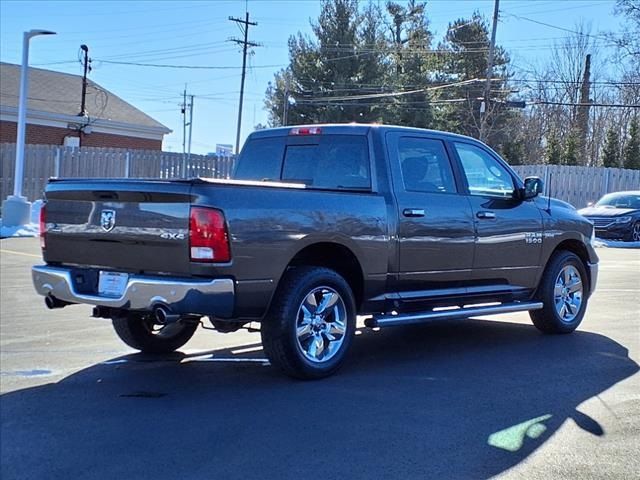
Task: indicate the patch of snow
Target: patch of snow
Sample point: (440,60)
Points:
(32,229)
(29,230)
(603,243)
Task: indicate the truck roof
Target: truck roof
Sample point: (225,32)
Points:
(352,129)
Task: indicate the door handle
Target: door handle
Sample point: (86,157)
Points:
(486,215)
(413,212)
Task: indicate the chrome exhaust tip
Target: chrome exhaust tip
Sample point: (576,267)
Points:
(52,302)
(164,315)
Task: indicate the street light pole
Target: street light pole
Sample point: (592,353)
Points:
(16,208)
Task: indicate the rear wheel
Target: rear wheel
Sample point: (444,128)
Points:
(143,334)
(311,323)
(563,290)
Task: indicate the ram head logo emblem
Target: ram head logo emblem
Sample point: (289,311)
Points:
(108,220)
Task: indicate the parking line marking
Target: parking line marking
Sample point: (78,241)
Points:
(247,350)
(20,253)
(621,290)
(115,362)
(263,361)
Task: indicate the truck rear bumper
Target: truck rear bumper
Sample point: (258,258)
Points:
(183,296)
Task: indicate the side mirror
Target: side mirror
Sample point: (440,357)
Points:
(533,187)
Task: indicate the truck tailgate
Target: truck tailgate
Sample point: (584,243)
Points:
(122,225)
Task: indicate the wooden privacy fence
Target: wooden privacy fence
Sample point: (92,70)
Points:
(45,161)
(581,185)
(576,185)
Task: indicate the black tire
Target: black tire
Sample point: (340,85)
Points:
(634,233)
(139,332)
(552,318)
(291,351)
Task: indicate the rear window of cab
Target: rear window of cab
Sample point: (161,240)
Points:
(326,162)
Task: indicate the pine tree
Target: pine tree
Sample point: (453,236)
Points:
(466,44)
(553,153)
(631,154)
(570,153)
(611,150)
(328,64)
(357,51)
(513,151)
(372,50)
(411,64)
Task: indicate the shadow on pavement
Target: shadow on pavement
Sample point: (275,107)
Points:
(455,400)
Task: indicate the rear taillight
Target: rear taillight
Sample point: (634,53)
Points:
(43,226)
(208,236)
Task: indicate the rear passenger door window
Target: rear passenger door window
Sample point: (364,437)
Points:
(425,166)
(334,162)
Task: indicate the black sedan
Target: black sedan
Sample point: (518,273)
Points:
(616,216)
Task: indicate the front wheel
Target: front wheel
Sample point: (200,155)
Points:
(310,324)
(143,334)
(634,233)
(563,291)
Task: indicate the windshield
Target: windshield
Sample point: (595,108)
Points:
(620,200)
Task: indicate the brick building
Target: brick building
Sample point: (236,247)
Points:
(53,108)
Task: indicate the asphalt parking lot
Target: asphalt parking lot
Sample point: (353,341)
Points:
(468,399)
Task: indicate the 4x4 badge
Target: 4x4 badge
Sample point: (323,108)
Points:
(108,220)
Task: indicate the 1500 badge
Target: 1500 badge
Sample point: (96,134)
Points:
(533,237)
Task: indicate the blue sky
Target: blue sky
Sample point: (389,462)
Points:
(196,33)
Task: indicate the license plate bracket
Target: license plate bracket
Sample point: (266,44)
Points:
(112,284)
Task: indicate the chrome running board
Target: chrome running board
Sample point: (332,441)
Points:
(449,314)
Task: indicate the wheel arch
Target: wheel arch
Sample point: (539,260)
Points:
(579,249)
(337,257)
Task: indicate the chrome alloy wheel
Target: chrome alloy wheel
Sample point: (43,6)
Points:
(567,293)
(635,233)
(321,324)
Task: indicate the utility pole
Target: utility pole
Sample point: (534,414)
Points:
(184,108)
(244,27)
(190,126)
(583,111)
(285,112)
(87,68)
(484,107)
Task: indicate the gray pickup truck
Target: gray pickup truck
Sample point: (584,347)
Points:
(319,224)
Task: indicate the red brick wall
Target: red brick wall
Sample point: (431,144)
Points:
(43,135)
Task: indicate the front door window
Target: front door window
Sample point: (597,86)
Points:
(485,175)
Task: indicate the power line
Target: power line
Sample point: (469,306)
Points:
(356,86)
(598,37)
(373,104)
(195,46)
(195,67)
(587,104)
(392,94)
(581,7)
(576,82)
